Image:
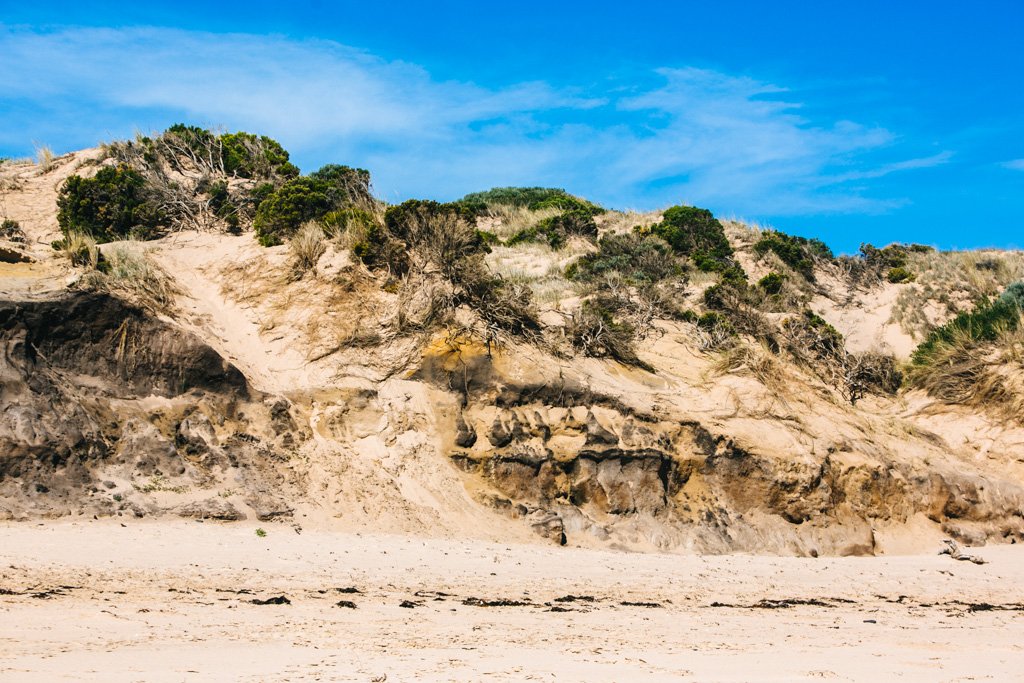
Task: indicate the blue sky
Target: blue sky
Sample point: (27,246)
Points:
(868,121)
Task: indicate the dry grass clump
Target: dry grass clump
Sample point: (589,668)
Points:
(594,331)
(45,158)
(126,268)
(755,360)
(976,358)
(80,248)
(504,220)
(539,267)
(307,246)
(950,282)
(989,375)
(619,222)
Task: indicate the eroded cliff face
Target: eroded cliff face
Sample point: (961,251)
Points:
(580,466)
(108,410)
(588,468)
(99,398)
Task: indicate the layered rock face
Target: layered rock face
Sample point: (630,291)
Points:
(589,466)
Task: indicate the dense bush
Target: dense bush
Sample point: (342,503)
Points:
(696,233)
(514,196)
(353,220)
(886,258)
(771,283)
(435,233)
(112,205)
(1014,294)
(900,274)
(410,220)
(567,202)
(638,259)
(528,197)
(556,230)
(240,154)
(309,198)
(249,156)
(799,253)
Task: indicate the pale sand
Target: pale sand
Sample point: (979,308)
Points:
(157,601)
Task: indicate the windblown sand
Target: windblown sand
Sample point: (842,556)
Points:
(172,601)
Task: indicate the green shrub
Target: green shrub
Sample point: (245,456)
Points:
(408,220)
(353,219)
(771,283)
(1014,294)
(221,202)
(249,156)
(533,198)
(799,253)
(567,202)
(344,185)
(899,274)
(240,154)
(379,249)
(261,192)
(514,196)
(297,201)
(696,233)
(440,233)
(892,256)
(112,205)
(441,241)
(829,340)
(712,320)
(11,230)
(556,230)
(638,259)
(489,238)
(309,198)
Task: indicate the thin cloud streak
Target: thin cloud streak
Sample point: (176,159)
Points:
(700,136)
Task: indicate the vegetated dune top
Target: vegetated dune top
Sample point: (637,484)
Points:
(650,381)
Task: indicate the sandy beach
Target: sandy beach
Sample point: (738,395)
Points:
(173,601)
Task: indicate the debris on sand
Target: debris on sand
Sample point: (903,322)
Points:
(501,602)
(279,600)
(953,550)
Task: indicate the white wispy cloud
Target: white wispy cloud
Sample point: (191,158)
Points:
(700,135)
(1014,164)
